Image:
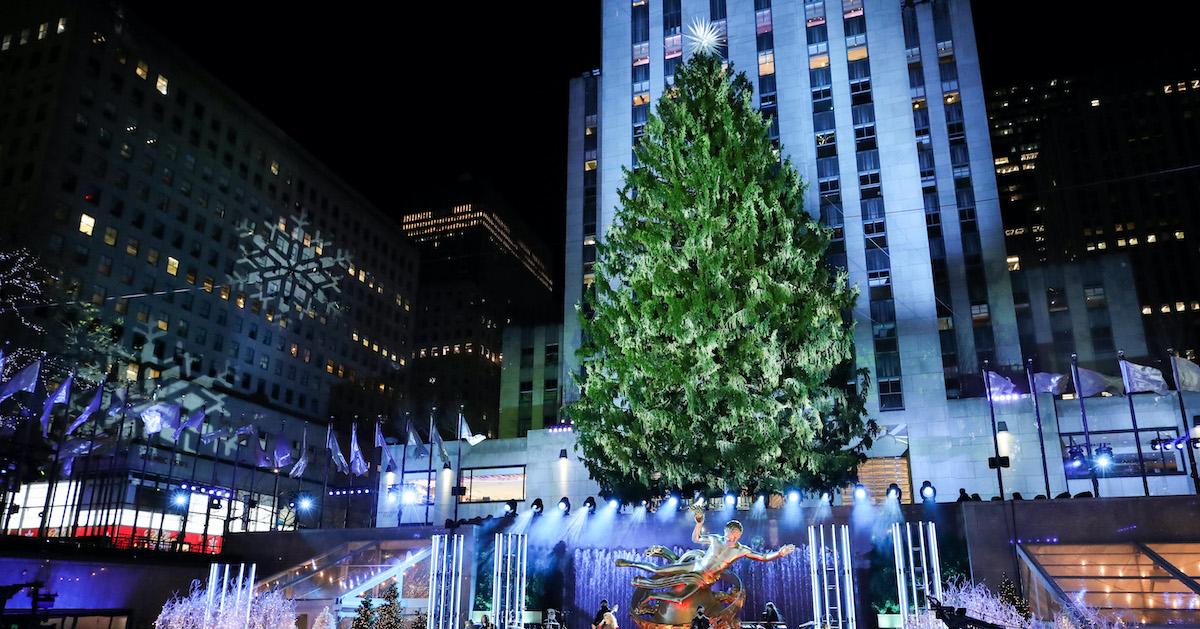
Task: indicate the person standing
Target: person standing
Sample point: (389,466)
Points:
(771,614)
(599,618)
(700,621)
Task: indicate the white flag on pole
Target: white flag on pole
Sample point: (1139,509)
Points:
(1140,378)
(1189,374)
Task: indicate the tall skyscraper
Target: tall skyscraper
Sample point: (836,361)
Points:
(1090,168)
(880,106)
(481,271)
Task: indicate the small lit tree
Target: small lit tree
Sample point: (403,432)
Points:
(390,613)
(325,620)
(366,615)
(1009,595)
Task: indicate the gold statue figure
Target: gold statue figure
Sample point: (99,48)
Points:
(689,577)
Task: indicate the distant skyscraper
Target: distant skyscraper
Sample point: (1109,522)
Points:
(481,271)
(880,106)
(529,390)
(1089,167)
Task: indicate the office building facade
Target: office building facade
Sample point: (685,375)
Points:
(239,273)
(529,387)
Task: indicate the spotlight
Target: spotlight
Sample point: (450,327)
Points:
(826,497)
(564,505)
(730,500)
(1104,456)
(304,503)
(1075,454)
(180,499)
(537,505)
(928,492)
(1195,442)
(408,496)
(860,492)
(893,492)
(643,503)
(589,503)
(614,504)
(1156,444)
(793,496)
(446,466)
(510,507)
(1180,443)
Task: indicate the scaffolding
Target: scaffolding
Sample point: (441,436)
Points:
(918,568)
(831,576)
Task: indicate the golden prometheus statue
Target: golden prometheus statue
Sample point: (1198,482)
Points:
(670,595)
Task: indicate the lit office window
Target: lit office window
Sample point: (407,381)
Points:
(172,266)
(87,224)
(43,30)
(143,70)
(110,236)
(62,25)
(494,484)
(6,43)
(161,85)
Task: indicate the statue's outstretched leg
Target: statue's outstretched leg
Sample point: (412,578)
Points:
(673,597)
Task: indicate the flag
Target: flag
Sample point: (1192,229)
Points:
(75,448)
(61,395)
(302,463)
(281,451)
(1052,383)
(24,380)
(1093,383)
(246,430)
(435,438)
(357,464)
(160,415)
(260,456)
(212,436)
(999,385)
(1,362)
(89,410)
(117,403)
(195,421)
(381,443)
(1189,374)
(1140,378)
(415,440)
(474,439)
(335,452)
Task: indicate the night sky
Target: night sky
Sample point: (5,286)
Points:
(401,102)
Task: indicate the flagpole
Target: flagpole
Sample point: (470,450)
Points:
(429,475)
(1183,416)
(253,477)
(1037,413)
(237,458)
(275,491)
(350,476)
(1137,437)
(378,474)
(300,478)
(53,478)
(109,481)
(81,487)
(328,463)
(137,512)
(403,466)
(1087,435)
(208,506)
(458,472)
(987,387)
(162,518)
(187,512)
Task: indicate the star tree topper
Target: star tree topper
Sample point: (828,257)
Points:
(704,37)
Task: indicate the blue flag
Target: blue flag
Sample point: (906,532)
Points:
(357,464)
(335,452)
(24,380)
(90,410)
(61,395)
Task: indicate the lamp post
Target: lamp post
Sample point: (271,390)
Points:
(997,462)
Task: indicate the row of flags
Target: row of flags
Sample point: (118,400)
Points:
(159,416)
(1134,378)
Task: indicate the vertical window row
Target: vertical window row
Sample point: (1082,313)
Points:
(765,35)
(933,212)
(717,14)
(878,258)
(964,191)
(672,39)
(640,31)
(590,163)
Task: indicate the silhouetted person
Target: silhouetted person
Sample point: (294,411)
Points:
(962,495)
(599,618)
(771,613)
(700,621)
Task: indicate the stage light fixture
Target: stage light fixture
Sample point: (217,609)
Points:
(614,504)
(180,499)
(304,503)
(928,492)
(537,505)
(1156,444)
(793,496)
(1075,454)
(510,507)
(730,500)
(564,505)
(1195,441)
(589,503)
(1181,443)
(562,454)
(893,492)
(1104,456)
(860,492)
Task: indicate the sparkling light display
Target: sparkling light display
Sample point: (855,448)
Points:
(21,282)
(288,269)
(704,37)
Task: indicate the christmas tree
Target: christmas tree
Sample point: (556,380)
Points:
(715,335)
(1009,596)
(325,620)
(390,612)
(420,622)
(366,615)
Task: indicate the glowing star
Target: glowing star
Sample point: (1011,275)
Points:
(288,269)
(704,37)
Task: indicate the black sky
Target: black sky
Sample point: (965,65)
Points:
(401,100)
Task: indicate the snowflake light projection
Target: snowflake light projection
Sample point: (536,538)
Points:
(289,269)
(704,37)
